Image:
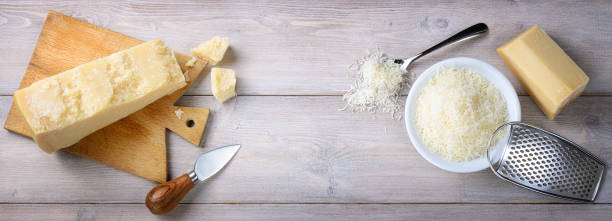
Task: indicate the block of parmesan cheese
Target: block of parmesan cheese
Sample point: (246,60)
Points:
(551,78)
(212,51)
(223,83)
(64,108)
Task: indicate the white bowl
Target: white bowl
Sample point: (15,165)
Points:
(487,71)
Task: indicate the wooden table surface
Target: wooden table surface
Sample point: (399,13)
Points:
(302,159)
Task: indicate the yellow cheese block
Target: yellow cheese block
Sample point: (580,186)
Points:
(551,78)
(223,83)
(212,51)
(64,108)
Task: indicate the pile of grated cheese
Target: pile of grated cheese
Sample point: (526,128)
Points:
(456,113)
(378,86)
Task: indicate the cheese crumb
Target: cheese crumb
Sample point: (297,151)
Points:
(456,113)
(179,113)
(378,87)
(191,62)
(186,74)
(189,65)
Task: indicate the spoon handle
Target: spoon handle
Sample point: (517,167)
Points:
(467,33)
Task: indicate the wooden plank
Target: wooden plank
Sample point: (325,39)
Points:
(296,149)
(290,48)
(451,212)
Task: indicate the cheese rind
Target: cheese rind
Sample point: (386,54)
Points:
(213,50)
(64,108)
(551,78)
(223,83)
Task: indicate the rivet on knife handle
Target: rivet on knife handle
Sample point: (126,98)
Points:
(164,197)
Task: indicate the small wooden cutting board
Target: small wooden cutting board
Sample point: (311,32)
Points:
(135,144)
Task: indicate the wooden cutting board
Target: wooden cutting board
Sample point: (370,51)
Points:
(135,144)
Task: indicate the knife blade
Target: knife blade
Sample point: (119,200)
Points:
(164,197)
(210,163)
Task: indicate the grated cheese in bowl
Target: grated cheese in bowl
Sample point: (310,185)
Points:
(378,86)
(456,112)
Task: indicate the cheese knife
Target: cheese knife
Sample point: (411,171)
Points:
(164,197)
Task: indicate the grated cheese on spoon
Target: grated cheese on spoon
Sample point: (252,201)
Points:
(378,86)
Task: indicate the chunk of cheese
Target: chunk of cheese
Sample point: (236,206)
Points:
(223,83)
(64,108)
(212,50)
(551,78)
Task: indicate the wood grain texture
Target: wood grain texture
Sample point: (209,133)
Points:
(290,47)
(135,144)
(298,149)
(166,196)
(270,212)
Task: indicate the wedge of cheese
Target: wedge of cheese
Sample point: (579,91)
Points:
(64,108)
(223,83)
(551,78)
(212,51)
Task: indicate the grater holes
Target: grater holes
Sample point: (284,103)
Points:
(542,161)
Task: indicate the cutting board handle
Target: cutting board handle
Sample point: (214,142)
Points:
(164,197)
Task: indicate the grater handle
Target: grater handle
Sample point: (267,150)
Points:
(497,153)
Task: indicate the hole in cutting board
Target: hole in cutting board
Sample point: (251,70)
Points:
(190,123)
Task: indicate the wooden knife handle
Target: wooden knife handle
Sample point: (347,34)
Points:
(164,197)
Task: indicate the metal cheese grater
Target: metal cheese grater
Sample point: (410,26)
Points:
(544,162)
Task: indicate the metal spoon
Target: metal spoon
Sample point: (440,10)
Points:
(473,31)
